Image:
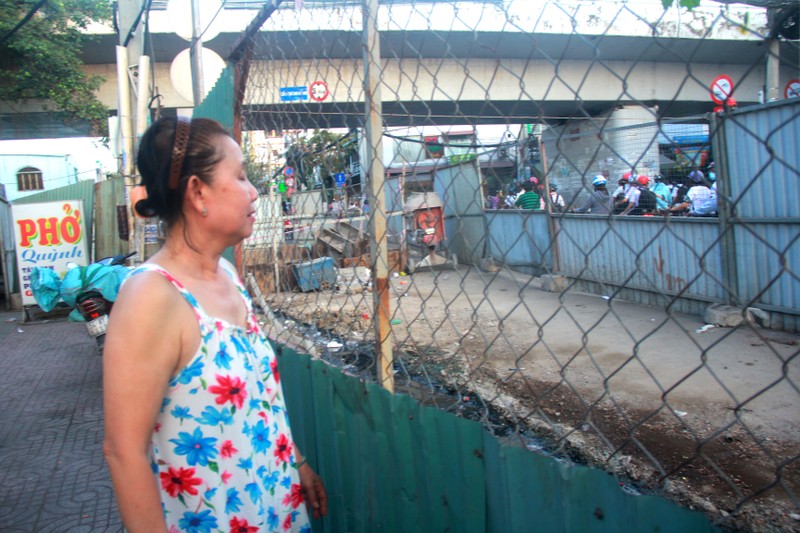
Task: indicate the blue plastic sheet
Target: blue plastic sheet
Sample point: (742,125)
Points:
(48,289)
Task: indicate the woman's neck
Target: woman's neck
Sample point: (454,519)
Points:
(197,257)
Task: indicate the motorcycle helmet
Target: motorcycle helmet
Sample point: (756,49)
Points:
(712,175)
(696,176)
(599,181)
(643,180)
(627,177)
(553,187)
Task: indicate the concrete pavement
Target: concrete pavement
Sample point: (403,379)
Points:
(54,476)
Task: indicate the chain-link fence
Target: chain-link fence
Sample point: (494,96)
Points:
(443,212)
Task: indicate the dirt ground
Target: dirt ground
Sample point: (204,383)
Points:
(708,417)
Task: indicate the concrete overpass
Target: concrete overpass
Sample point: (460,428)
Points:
(451,74)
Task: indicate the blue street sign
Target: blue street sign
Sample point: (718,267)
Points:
(289,171)
(341,179)
(294,94)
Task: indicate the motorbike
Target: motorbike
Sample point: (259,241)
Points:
(90,291)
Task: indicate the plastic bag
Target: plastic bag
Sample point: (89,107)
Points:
(46,288)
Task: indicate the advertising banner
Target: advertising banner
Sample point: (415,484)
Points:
(48,235)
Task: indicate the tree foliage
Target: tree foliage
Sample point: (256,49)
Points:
(40,58)
(323,149)
(689,4)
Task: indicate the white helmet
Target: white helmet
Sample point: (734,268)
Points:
(599,181)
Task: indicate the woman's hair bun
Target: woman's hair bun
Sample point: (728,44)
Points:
(144,209)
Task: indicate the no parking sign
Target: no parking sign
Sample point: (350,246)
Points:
(721,89)
(792,89)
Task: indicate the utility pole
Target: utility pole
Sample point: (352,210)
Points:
(131,14)
(196,55)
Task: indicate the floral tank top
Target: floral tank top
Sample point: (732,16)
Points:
(222,451)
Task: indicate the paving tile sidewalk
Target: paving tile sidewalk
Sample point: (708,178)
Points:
(53,477)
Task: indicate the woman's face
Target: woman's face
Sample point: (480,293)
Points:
(231,203)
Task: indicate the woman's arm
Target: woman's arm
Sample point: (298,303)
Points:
(313,488)
(142,350)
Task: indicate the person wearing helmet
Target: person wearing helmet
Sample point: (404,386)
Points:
(646,202)
(631,201)
(599,201)
(622,202)
(662,192)
(712,172)
(556,200)
(698,194)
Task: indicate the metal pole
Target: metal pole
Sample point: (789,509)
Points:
(196,55)
(724,208)
(773,70)
(375,177)
(552,224)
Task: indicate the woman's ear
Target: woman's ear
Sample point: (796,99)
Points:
(196,194)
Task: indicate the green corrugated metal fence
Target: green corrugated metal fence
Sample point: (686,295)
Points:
(108,195)
(390,464)
(218,103)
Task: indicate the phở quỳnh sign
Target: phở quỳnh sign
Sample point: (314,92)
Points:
(48,235)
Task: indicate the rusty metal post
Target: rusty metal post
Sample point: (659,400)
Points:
(375,177)
(553,225)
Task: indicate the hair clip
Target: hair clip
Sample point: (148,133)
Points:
(182,128)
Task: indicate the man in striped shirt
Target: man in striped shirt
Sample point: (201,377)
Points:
(528,199)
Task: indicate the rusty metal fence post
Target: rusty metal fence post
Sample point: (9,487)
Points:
(375,176)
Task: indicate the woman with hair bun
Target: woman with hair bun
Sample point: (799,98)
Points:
(197,436)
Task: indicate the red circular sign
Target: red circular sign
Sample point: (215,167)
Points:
(318,91)
(792,89)
(721,89)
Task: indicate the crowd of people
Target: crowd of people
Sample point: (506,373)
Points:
(635,194)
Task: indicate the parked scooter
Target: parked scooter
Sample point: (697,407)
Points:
(89,290)
(94,307)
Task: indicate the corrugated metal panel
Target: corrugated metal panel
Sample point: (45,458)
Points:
(108,195)
(390,465)
(7,239)
(459,187)
(764,160)
(764,163)
(768,257)
(218,103)
(643,253)
(519,239)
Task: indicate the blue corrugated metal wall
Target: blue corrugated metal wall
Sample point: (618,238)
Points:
(763,161)
(391,464)
(644,253)
(653,260)
(520,240)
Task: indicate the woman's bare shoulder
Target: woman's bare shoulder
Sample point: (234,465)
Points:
(149,297)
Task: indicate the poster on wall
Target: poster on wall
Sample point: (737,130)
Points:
(48,235)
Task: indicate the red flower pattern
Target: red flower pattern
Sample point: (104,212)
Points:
(179,481)
(229,389)
(283,449)
(273,365)
(295,497)
(287,523)
(227,449)
(241,526)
